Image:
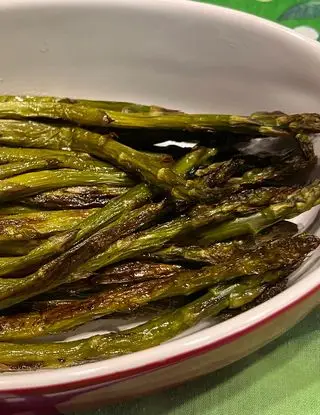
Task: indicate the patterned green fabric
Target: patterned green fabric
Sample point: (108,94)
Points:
(303,16)
(283,378)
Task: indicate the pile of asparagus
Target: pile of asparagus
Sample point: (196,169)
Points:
(95,221)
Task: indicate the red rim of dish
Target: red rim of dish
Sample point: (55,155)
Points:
(159,364)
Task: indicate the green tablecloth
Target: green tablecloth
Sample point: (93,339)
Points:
(283,378)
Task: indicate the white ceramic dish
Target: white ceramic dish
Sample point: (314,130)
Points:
(183,55)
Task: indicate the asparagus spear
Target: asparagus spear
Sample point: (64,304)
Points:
(97,196)
(152,170)
(306,148)
(74,113)
(14,169)
(66,159)
(300,201)
(54,273)
(12,209)
(132,199)
(221,251)
(31,134)
(32,183)
(242,203)
(223,173)
(133,271)
(125,107)
(150,334)
(158,236)
(194,159)
(261,123)
(129,272)
(148,311)
(18,248)
(274,173)
(79,197)
(27,226)
(269,256)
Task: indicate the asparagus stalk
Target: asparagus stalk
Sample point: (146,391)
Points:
(31,134)
(194,159)
(79,197)
(40,254)
(53,273)
(14,169)
(146,312)
(32,183)
(27,226)
(273,173)
(132,199)
(223,173)
(269,256)
(242,203)
(212,254)
(266,124)
(18,247)
(262,124)
(11,209)
(158,236)
(66,159)
(306,148)
(151,169)
(130,272)
(300,201)
(221,251)
(125,107)
(152,333)
(73,113)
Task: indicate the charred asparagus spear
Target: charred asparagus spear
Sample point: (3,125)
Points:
(300,201)
(150,334)
(129,272)
(79,197)
(269,256)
